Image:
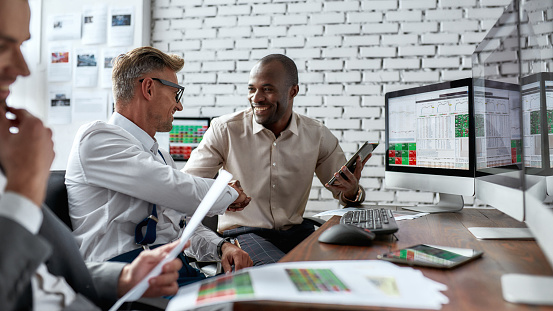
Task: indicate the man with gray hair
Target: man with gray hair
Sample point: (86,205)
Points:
(120,182)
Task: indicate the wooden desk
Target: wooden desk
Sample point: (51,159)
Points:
(474,286)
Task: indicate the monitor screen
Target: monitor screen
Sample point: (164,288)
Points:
(186,135)
(497,117)
(537,106)
(430,142)
(428,129)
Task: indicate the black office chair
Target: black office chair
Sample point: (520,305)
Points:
(56,200)
(56,196)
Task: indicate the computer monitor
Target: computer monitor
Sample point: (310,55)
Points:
(186,135)
(499,154)
(537,104)
(536,125)
(430,142)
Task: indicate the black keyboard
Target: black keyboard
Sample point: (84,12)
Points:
(379,221)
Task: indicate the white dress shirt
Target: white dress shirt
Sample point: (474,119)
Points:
(49,292)
(277,172)
(115,175)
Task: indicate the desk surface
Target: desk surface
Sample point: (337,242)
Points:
(474,286)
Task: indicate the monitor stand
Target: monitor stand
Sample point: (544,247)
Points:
(495,233)
(528,289)
(448,203)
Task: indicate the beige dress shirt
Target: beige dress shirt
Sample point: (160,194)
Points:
(277,172)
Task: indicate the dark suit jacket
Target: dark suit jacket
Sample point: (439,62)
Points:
(22,253)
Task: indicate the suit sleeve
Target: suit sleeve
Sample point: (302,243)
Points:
(105,276)
(26,252)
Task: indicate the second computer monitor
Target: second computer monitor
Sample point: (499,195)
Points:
(430,142)
(186,135)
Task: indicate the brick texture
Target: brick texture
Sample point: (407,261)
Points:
(349,54)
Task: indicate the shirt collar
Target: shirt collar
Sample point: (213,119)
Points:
(147,141)
(292,127)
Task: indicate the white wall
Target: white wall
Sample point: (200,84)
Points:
(32,92)
(349,54)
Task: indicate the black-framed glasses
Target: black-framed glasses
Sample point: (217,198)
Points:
(171,84)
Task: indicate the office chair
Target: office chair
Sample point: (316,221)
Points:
(56,200)
(56,196)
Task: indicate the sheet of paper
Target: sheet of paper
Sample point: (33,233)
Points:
(86,67)
(59,64)
(59,111)
(89,105)
(398,215)
(107,66)
(337,212)
(121,26)
(212,195)
(355,282)
(64,27)
(95,24)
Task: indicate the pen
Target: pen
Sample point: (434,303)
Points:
(235,242)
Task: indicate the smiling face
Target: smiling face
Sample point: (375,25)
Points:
(14,30)
(165,105)
(270,96)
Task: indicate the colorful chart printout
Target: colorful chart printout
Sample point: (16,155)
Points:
(316,280)
(228,287)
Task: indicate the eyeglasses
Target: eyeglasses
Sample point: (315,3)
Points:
(171,84)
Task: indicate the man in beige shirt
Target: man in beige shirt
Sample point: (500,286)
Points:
(274,152)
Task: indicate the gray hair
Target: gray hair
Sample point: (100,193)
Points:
(129,67)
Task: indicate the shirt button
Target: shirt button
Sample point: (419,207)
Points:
(274,186)
(274,164)
(274,144)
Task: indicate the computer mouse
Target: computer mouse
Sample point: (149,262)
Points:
(347,235)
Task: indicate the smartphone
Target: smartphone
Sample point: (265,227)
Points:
(432,256)
(363,152)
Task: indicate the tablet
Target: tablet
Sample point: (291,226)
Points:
(363,152)
(432,256)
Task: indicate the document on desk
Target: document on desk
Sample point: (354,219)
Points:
(398,215)
(345,282)
(207,202)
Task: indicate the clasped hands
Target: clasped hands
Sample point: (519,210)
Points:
(243,199)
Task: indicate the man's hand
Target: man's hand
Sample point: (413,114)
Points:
(161,285)
(26,155)
(350,187)
(234,255)
(243,199)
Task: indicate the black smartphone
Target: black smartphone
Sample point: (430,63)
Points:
(432,256)
(363,152)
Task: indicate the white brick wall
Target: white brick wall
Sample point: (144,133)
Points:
(349,54)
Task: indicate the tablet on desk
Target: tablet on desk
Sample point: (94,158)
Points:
(432,256)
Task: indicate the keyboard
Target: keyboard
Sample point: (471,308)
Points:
(379,221)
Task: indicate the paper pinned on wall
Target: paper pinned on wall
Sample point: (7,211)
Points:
(95,24)
(59,110)
(89,106)
(64,27)
(86,67)
(107,66)
(121,26)
(59,62)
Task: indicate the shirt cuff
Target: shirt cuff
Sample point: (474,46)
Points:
(21,210)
